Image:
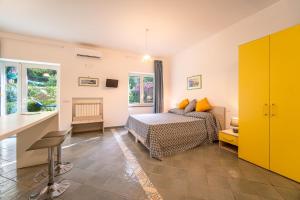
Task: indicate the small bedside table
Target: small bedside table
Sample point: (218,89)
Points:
(229,140)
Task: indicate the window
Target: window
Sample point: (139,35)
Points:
(28,87)
(141,89)
(41,89)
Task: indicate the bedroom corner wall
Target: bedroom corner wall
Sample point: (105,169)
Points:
(216,57)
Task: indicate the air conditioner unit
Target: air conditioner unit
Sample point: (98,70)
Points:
(88,53)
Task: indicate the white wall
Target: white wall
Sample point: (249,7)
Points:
(216,58)
(115,64)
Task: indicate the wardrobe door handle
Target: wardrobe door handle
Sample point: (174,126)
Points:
(266,109)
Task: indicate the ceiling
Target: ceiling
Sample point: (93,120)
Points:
(173,24)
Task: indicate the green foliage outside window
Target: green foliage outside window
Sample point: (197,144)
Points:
(141,85)
(11,89)
(148,89)
(42,89)
(134,89)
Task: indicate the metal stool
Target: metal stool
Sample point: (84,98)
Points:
(60,167)
(53,189)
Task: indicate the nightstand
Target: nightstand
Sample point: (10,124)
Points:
(229,140)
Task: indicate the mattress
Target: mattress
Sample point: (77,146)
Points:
(167,133)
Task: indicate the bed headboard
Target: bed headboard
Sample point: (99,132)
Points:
(220,113)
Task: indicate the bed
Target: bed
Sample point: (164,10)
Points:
(165,134)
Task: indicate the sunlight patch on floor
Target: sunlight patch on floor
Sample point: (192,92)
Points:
(7,163)
(150,191)
(77,143)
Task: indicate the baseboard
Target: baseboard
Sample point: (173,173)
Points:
(111,127)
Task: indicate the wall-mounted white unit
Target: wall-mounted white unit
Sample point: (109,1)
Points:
(88,53)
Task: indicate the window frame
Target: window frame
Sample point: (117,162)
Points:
(141,76)
(24,67)
(22,82)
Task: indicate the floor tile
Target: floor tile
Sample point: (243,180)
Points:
(253,188)
(220,194)
(280,181)
(244,196)
(7,185)
(288,194)
(218,182)
(123,187)
(172,195)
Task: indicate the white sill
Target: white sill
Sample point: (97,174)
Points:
(140,105)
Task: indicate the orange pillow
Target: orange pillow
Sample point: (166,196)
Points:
(203,105)
(183,104)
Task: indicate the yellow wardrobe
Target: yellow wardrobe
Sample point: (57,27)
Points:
(269,102)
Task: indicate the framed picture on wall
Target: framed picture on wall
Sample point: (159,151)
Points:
(88,81)
(194,82)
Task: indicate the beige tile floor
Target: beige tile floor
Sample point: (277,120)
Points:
(103,171)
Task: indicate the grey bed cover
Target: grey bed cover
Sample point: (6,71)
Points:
(168,133)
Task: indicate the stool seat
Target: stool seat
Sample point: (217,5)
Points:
(46,143)
(56,134)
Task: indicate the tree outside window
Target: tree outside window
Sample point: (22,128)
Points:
(42,89)
(134,89)
(141,89)
(148,89)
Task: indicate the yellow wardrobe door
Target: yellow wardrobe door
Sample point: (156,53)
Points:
(285,100)
(254,102)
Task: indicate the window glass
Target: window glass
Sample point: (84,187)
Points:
(141,89)
(11,89)
(41,89)
(134,89)
(148,89)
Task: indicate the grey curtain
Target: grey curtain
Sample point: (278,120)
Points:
(159,87)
